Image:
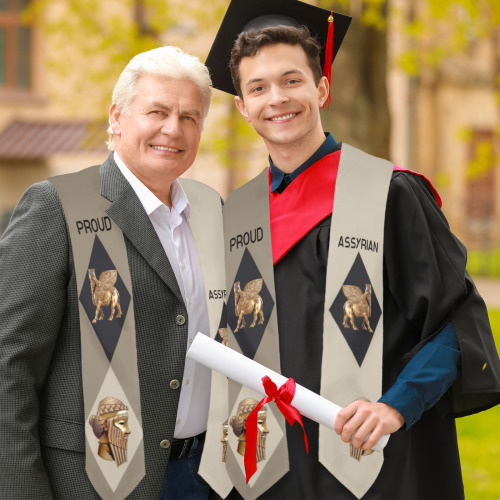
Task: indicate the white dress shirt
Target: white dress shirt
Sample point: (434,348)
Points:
(174,232)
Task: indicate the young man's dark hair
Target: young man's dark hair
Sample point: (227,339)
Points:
(251,41)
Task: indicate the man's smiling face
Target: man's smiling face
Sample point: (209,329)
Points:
(280,97)
(158,137)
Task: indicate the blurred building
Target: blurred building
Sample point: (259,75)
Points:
(38,139)
(446,125)
(53,121)
(444,122)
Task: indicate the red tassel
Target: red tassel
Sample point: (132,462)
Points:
(327,68)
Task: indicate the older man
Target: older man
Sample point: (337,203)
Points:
(103,288)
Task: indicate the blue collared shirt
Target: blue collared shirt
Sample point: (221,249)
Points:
(281,180)
(432,371)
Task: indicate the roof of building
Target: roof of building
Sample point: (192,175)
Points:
(37,140)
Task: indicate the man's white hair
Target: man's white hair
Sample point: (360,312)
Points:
(166,61)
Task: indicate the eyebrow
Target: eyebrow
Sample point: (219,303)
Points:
(261,79)
(189,112)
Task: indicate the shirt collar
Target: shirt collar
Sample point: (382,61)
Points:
(279,178)
(148,199)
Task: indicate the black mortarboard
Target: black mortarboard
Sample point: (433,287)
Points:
(243,15)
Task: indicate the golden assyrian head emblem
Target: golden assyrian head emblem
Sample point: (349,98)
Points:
(248,301)
(358,305)
(104,293)
(110,426)
(239,426)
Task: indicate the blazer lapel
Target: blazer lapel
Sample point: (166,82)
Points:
(128,213)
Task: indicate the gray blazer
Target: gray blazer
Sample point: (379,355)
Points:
(42,441)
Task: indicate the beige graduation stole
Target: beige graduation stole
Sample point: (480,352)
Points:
(252,329)
(113,424)
(359,213)
(114,444)
(353,320)
(213,267)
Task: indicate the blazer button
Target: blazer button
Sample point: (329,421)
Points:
(180,320)
(165,444)
(174,384)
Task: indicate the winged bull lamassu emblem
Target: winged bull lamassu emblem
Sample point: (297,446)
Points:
(104,293)
(248,301)
(358,305)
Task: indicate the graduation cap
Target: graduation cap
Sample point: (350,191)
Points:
(328,27)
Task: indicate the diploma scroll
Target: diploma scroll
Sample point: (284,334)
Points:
(247,372)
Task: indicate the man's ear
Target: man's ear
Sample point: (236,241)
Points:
(114,119)
(323,90)
(240,104)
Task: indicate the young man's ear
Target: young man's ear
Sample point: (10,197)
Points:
(323,89)
(240,104)
(114,119)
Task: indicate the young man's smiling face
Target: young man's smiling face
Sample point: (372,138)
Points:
(280,98)
(158,137)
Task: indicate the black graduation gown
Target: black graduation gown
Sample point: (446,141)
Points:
(425,286)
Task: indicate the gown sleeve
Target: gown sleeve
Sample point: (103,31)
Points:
(429,287)
(427,377)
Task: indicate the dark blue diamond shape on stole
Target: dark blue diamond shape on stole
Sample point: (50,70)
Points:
(357,303)
(251,295)
(105,290)
(221,335)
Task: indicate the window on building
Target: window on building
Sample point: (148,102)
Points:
(482,194)
(481,177)
(15,41)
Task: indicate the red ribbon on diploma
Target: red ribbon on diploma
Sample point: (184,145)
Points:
(282,397)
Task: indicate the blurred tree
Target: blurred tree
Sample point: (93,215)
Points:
(89,43)
(435,31)
(359,112)
(440,32)
(441,29)
(93,40)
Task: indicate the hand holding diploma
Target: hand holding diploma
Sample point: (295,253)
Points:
(247,372)
(362,423)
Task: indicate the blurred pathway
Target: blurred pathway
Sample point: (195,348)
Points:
(489,288)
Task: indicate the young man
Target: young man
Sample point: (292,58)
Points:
(362,286)
(103,288)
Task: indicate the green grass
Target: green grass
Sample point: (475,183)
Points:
(483,263)
(479,443)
